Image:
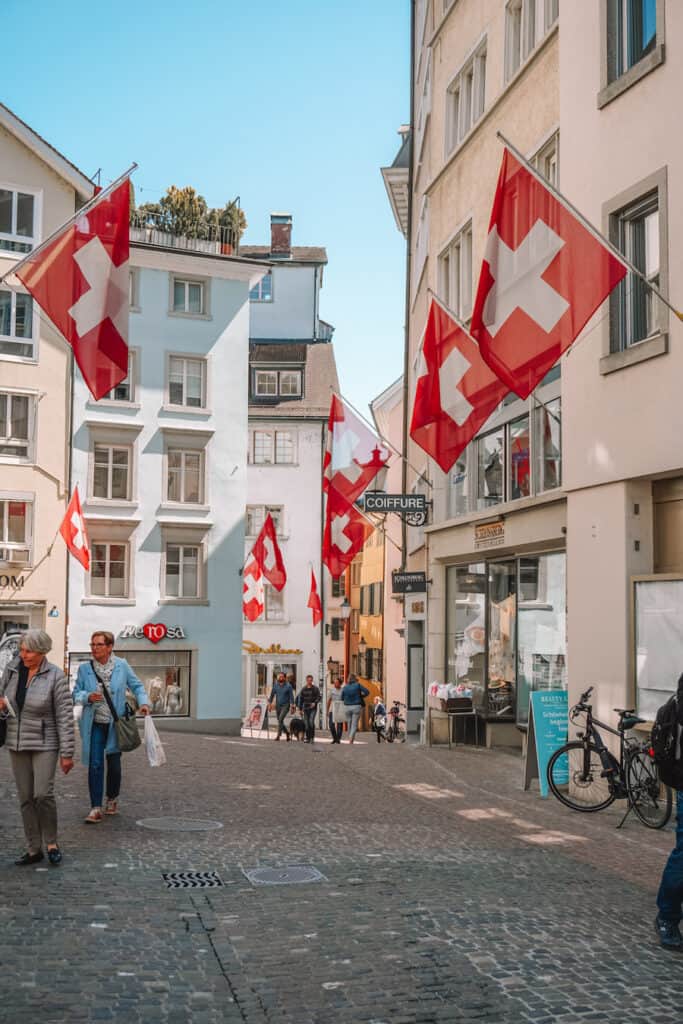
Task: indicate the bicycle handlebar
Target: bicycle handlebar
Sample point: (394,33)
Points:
(584,696)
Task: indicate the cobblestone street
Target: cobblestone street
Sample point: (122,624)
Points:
(448,894)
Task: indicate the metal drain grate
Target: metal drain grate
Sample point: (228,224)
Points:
(191,879)
(180,824)
(292,875)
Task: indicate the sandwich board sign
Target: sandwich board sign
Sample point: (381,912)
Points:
(548,729)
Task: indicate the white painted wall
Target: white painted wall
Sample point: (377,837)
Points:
(292,313)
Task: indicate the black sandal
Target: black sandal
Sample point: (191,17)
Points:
(54,856)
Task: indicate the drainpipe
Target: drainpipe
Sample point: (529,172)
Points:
(406,329)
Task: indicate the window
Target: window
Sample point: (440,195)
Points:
(189,297)
(631,34)
(16,425)
(355,620)
(187,382)
(273,383)
(256,515)
(421,242)
(490,469)
(16,325)
(134,289)
(519,465)
(337,629)
(547,160)
(109,570)
(275,604)
(125,390)
(263,291)
(458,489)
(355,574)
(552,12)
(455,273)
(15,531)
(466,98)
(339,585)
(272,447)
(182,571)
(111,473)
(17,221)
(522,31)
(633,306)
(185,476)
(549,445)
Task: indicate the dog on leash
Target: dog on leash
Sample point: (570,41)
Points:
(297,727)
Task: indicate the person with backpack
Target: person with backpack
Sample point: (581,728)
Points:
(667,743)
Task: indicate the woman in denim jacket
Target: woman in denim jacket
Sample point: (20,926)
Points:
(353,695)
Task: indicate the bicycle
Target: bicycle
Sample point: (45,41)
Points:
(396,728)
(586,776)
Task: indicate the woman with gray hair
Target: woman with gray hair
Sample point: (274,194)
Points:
(35,699)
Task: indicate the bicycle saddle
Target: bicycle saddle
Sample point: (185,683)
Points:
(624,711)
(628,721)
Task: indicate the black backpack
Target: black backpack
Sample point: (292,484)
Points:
(667,741)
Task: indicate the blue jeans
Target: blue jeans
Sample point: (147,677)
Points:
(353,712)
(670,895)
(309,719)
(98,741)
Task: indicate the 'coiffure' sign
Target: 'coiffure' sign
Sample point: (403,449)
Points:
(152,631)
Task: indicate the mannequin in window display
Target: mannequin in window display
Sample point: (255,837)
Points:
(173,698)
(155,687)
(493,475)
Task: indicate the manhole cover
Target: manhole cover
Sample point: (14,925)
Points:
(191,879)
(180,824)
(284,876)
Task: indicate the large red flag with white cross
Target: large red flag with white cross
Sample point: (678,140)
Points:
(74,533)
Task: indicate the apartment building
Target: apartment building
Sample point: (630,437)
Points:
(39,190)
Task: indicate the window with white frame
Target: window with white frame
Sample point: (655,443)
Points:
(16,424)
(185,476)
(111,476)
(256,515)
(424,106)
(552,13)
(547,160)
(18,228)
(16,324)
(187,382)
(274,383)
(275,604)
(458,486)
(633,306)
(109,570)
(421,242)
(523,29)
(290,382)
(125,389)
(134,288)
(189,297)
(631,34)
(548,445)
(272,447)
(466,98)
(263,291)
(182,571)
(15,531)
(455,273)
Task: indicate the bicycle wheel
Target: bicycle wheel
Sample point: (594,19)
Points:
(575,778)
(649,797)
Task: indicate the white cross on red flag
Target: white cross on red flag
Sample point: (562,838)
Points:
(80,280)
(543,276)
(354,455)
(346,531)
(267,555)
(74,533)
(455,391)
(253,601)
(314,601)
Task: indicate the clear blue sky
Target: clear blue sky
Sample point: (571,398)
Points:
(290,105)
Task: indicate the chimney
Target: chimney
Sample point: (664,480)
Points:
(281,235)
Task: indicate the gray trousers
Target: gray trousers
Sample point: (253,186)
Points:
(34,776)
(282,712)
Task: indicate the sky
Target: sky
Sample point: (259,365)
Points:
(294,106)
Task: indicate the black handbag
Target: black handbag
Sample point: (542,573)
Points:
(3,731)
(125,726)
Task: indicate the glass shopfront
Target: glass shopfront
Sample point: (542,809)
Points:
(165,675)
(505,631)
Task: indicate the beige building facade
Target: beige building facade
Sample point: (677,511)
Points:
(39,190)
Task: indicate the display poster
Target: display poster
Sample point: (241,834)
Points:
(255,716)
(548,730)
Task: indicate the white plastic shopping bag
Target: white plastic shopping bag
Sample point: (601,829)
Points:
(155,752)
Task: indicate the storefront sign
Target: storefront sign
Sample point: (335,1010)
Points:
(548,728)
(152,631)
(251,648)
(408,583)
(16,582)
(379,501)
(489,535)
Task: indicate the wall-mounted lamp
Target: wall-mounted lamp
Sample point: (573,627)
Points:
(344,609)
(362,646)
(53,612)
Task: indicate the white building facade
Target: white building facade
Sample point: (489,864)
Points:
(161,469)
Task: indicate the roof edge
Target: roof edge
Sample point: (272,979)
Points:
(47,153)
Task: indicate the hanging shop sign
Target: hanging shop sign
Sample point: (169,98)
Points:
(548,717)
(153,631)
(15,582)
(489,535)
(408,583)
(250,647)
(411,507)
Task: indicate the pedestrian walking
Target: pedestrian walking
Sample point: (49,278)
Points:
(336,714)
(282,699)
(670,895)
(35,698)
(308,701)
(104,676)
(353,696)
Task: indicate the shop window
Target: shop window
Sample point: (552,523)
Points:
(256,515)
(502,610)
(458,490)
(185,476)
(541,628)
(109,577)
(16,425)
(166,676)
(111,472)
(16,325)
(15,531)
(187,382)
(634,306)
(490,475)
(183,571)
(658,642)
(466,631)
(18,220)
(549,445)
(519,467)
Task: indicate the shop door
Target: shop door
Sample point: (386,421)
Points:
(502,639)
(416,676)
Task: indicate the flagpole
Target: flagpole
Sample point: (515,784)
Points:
(388,443)
(67,223)
(587,224)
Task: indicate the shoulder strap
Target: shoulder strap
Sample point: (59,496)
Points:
(106,696)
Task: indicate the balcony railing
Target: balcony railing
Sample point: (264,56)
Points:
(325,331)
(208,238)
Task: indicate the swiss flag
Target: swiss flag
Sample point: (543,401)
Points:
(314,601)
(267,555)
(346,531)
(544,274)
(74,533)
(252,591)
(455,391)
(354,455)
(80,280)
